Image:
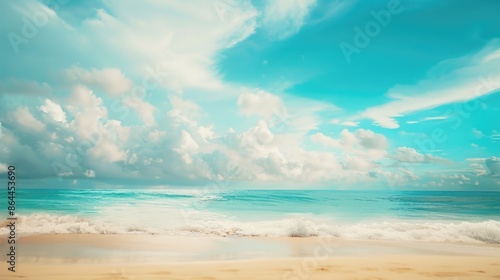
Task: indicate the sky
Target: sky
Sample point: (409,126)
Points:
(305,94)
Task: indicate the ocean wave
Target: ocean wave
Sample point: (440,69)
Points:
(466,232)
(54,224)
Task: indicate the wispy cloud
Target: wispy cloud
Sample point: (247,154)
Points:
(344,123)
(285,18)
(436,118)
(466,78)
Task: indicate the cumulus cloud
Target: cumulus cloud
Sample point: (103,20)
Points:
(144,109)
(362,137)
(89,173)
(357,163)
(324,140)
(266,156)
(371,140)
(485,167)
(54,110)
(179,144)
(87,110)
(3,168)
(83,97)
(410,155)
(24,118)
(493,165)
(262,104)
(358,150)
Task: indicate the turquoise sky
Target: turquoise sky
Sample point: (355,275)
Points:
(270,94)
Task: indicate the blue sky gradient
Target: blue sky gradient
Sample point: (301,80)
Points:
(252,93)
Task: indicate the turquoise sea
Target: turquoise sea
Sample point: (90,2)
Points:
(470,217)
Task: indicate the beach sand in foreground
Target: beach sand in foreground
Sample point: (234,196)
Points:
(162,257)
(393,267)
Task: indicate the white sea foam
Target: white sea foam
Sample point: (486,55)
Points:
(468,232)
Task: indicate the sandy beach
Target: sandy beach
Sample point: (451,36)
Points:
(82,256)
(395,267)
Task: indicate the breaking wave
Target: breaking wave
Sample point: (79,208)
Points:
(465,232)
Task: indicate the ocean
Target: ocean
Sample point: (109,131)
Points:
(466,217)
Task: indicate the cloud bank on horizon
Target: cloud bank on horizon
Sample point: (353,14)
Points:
(303,93)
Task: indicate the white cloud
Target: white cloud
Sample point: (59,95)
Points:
(324,140)
(24,118)
(83,97)
(89,173)
(3,168)
(110,80)
(410,155)
(493,166)
(485,167)
(365,138)
(272,157)
(406,154)
(206,133)
(182,144)
(87,109)
(435,118)
(156,135)
(54,110)
(464,178)
(371,140)
(262,104)
(167,41)
(344,123)
(477,166)
(108,151)
(475,77)
(187,147)
(144,109)
(187,143)
(358,149)
(285,18)
(357,163)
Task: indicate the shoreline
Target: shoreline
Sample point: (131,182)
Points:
(207,248)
